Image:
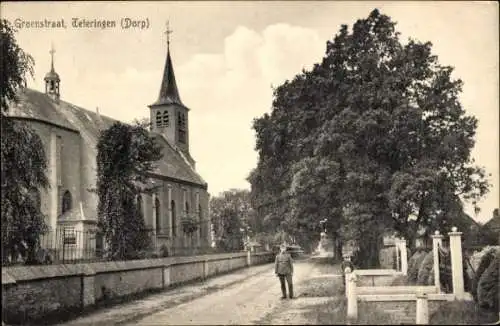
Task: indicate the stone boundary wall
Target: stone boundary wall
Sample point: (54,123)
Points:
(32,293)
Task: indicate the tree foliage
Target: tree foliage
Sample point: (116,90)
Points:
(15,66)
(371,136)
(233,218)
(125,156)
(24,164)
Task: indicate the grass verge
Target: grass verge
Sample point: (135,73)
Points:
(462,313)
(334,312)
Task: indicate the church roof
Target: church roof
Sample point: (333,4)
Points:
(175,163)
(36,105)
(52,75)
(169,94)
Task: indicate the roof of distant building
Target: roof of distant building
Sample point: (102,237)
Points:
(493,224)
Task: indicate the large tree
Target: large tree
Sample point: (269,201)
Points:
(371,137)
(125,159)
(24,164)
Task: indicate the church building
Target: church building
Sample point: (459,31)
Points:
(70,135)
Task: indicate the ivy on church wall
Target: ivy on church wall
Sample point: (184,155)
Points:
(125,154)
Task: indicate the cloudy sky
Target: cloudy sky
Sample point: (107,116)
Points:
(227,55)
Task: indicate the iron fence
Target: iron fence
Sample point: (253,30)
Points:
(69,246)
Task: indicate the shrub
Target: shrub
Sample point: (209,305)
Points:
(414,265)
(487,289)
(485,261)
(426,269)
(476,257)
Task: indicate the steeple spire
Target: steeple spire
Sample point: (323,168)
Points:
(169,94)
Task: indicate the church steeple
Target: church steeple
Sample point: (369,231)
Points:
(169,94)
(169,116)
(52,79)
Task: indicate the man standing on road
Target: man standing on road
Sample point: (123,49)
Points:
(283,267)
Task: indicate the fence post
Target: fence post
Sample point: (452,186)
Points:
(352,300)
(404,257)
(437,241)
(347,271)
(249,258)
(422,317)
(64,245)
(88,287)
(205,269)
(456,263)
(398,255)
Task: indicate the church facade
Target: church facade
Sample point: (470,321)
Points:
(70,135)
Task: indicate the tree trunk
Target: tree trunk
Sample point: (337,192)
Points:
(367,256)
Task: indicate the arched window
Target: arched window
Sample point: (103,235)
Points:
(158,119)
(181,126)
(157,214)
(174,222)
(66,202)
(165,119)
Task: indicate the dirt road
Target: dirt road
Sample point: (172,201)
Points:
(243,303)
(244,297)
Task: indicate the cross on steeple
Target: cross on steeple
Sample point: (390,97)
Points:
(52,51)
(168,32)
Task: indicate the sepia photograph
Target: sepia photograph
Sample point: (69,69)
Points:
(250,162)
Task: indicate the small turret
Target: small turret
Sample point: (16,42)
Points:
(52,80)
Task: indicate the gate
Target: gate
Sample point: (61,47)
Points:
(445,274)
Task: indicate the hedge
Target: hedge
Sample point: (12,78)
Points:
(414,265)
(425,270)
(487,289)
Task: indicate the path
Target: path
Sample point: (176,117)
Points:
(245,297)
(243,303)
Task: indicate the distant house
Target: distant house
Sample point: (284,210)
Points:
(493,225)
(474,235)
